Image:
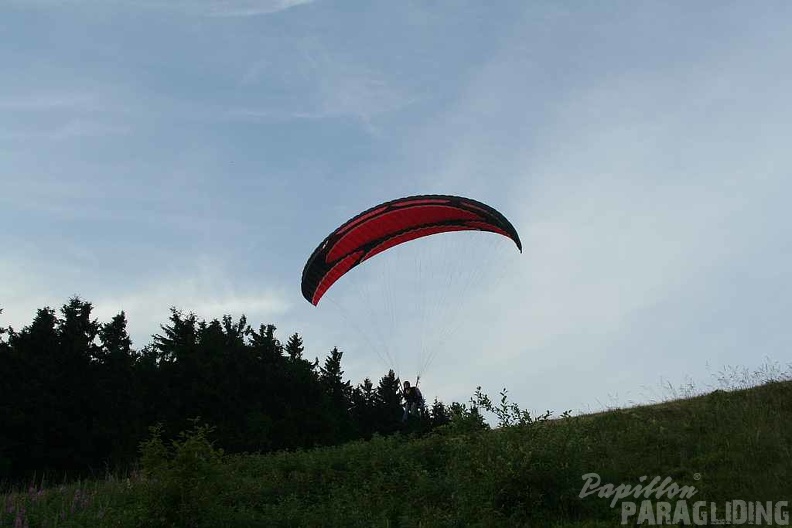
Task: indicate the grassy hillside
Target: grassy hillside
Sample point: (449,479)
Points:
(728,445)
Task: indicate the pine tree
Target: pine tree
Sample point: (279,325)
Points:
(364,408)
(115,343)
(117,403)
(30,405)
(331,377)
(2,330)
(438,414)
(266,345)
(76,391)
(294,347)
(389,404)
(180,337)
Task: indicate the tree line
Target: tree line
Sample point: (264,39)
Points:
(76,397)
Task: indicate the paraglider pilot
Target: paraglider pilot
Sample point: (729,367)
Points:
(413,400)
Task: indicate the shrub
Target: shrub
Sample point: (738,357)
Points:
(183,481)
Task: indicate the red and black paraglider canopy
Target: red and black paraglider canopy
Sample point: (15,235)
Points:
(390,224)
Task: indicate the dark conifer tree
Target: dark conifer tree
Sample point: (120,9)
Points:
(75,407)
(3,331)
(7,402)
(266,345)
(227,391)
(78,332)
(332,378)
(438,414)
(364,408)
(294,347)
(178,371)
(118,407)
(389,404)
(339,393)
(116,345)
(50,380)
(180,337)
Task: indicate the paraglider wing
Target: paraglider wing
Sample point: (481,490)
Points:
(390,224)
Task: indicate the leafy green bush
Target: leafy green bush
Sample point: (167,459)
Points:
(463,419)
(182,482)
(509,413)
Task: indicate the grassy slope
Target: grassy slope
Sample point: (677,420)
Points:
(729,445)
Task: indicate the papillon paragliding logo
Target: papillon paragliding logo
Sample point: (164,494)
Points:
(392,224)
(662,502)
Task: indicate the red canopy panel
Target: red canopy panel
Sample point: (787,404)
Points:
(387,224)
(335,273)
(410,235)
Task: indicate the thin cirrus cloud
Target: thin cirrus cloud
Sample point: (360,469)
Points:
(245,8)
(61,116)
(44,102)
(69,130)
(210,8)
(327,86)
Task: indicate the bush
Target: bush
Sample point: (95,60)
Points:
(183,482)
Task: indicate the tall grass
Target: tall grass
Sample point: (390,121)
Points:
(727,444)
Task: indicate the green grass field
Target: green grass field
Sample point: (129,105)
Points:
(734,445)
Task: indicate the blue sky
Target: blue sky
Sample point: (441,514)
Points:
(193,153)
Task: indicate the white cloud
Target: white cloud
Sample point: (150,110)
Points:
(204,288)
